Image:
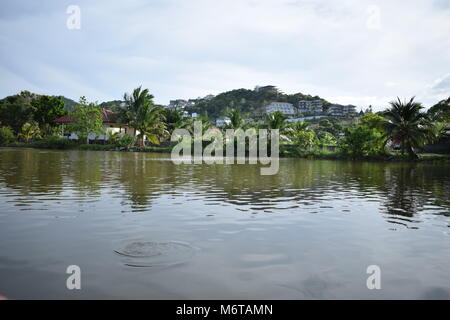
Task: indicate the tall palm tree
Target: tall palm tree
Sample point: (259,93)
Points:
(151,124)
(236,120)
(405,124)
(146,118)
(276,120)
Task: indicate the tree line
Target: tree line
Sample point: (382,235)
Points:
(404,125)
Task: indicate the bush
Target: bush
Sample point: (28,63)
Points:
(6,136)
(126,141)
(97,147)
(53,142)
(360,141)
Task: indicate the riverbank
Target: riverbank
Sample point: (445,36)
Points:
(167,148)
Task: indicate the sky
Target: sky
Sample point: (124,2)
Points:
(346,51)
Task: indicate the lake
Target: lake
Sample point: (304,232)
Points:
(139,226)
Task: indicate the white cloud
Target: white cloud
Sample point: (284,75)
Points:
(348,50)
(442,85)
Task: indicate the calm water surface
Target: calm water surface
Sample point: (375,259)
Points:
(141,227)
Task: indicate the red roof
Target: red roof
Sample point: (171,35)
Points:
(106,117)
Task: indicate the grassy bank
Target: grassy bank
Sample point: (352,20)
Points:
(57,143)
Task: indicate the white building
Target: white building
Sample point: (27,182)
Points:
(221,122)
(110,125)
(284,107)
(338,110)
(310,106)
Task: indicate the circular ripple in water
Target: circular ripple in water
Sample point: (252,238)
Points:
(152,254)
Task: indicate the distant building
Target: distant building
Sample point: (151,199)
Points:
(284,107)
(208,97)
(221,122)
(310,106)
(273,89)
(178,104)
(338,110)
(110,125)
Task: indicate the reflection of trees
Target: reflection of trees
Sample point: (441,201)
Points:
(409,187)
(29,171)
(84,171)
(142,178)
(138,178)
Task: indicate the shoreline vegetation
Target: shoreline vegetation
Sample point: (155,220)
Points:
(54,144)
(401,132)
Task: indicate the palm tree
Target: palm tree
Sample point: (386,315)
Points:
(276,120)
(174,119)
(236,120)
(302,135)
(29,131)
(146,118)
(113,137)
(405,124)
(299,126)
(151,124)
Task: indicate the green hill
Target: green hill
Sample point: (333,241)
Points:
(247,101)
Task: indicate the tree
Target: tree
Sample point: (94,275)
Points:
(29,131)
(332,127)
(327,139)
(113,137)
(441,111)
(276,120)
(372,121)
(299,126)
(146,118)
(16,110)
(174,119)
(407,125)
(360,141)
(47,109)
(87,118)
(306,139)
(236,120)
(6,135)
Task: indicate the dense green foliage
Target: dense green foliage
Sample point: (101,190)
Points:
(16,110)
(87,118)
(236,120)
(246,101)
(441,111)
(126,141)
(26,107)
(276,120)
(46,109)
(28,119)
(29,131)
(53,142)
(361,141)
(6,136)
(331,126)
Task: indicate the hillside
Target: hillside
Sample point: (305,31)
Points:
(247,101)
(69,103)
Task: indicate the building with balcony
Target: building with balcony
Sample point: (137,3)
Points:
(284,107)
(338,110)
(310,106)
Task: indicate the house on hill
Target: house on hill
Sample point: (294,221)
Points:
(284,107)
